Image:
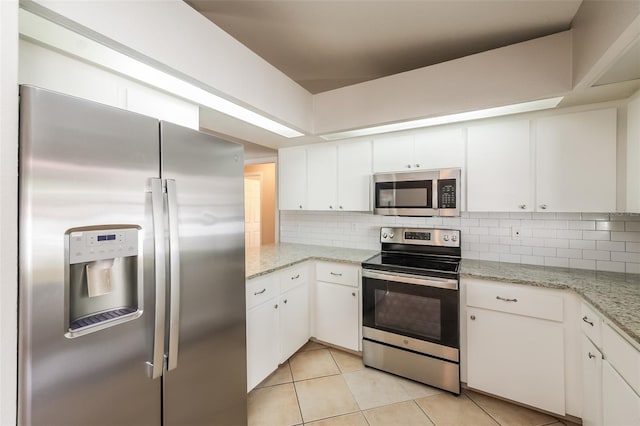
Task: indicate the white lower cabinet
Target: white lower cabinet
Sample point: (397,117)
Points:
(515,344)
(294,320)
(337,305)
(620,404)
(591,384)
(262,334)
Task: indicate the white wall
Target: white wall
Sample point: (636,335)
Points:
(8,208)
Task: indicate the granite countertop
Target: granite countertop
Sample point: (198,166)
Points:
(265,259)
(614,295)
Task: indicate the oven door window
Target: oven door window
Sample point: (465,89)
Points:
(422,312)
(405,194)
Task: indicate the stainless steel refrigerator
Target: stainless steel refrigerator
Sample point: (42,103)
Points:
(131,293)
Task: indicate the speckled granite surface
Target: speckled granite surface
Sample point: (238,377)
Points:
(265,259)
(615,295)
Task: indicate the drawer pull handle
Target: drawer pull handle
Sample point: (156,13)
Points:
(587,320)
(505,299)
(591,355)
(295,277)
(335,274)
(255,293)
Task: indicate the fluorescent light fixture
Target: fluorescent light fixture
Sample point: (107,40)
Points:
(447,119)
(51,34)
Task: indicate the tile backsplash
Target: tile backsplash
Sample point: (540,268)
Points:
(595,241)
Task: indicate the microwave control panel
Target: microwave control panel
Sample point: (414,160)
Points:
(447,194)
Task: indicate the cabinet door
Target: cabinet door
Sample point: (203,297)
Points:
(392,154)
(354,176)
(576,162)
(322,177)
(620,404)
(515,357)
(438,149)
(591,384)
(499,174)
(336,308)
(262,342)
(292,179)
(294,320)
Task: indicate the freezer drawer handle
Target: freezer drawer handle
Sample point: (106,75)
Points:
(255,293)
(157,207)
(505,299)
(174,276)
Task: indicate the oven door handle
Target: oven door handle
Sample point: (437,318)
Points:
(411,279)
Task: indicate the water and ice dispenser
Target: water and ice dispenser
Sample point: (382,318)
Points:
(104,277)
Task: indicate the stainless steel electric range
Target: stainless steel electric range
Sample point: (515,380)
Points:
(411,304)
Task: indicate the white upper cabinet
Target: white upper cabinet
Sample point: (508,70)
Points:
(354,176)
(438,149)
(392,154)
(322,177)
(430,149)
(292,178)
(576,162)
(499,171)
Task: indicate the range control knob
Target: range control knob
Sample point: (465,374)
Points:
(454,237)
(384,235)
(446,237)
(391,235)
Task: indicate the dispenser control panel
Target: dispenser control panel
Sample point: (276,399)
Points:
(90,245)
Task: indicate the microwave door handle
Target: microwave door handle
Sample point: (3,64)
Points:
(434,193)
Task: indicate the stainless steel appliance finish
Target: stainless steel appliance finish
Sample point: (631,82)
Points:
(417,193)
(411,306)
(179,357)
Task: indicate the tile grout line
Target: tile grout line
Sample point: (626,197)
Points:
(480,407)
(425,413)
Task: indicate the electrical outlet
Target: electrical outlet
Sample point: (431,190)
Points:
(516,233)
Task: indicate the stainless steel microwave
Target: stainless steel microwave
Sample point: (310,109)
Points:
(417,193)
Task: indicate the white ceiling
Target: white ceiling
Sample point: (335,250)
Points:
(324,45)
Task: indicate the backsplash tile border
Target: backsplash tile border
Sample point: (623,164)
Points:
(593,241)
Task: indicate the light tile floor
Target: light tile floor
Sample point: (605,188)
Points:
(324,386)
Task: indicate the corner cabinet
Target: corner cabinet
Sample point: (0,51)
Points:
(292,179)
(576,162)
(337,305)
(515,344)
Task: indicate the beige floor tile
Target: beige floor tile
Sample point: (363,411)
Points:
(373,388)
(312,364)
(446,409)
(347,362)
(417,390)
(273,405)
(403,413)
(278,377)
(508,414)
(355,419)
(324,397)
(311,346)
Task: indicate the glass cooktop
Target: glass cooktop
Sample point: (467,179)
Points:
(414,263)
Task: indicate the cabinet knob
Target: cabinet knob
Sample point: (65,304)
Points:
(473,317)
(543,206)
(275,306)
(340,207)
(522,206)
(285,300)
(300,206)
(417,165)
(353,294)
(330,207)
(408,166)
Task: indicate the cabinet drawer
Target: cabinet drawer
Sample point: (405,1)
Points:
(591,324)
(293,276)
(622,356)
(338,273)
(515,299)
(261,289)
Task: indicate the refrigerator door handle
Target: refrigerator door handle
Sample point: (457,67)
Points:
(157,210)
(174,277)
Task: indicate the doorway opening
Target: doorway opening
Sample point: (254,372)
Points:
(260,204)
